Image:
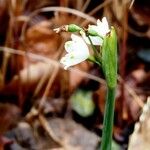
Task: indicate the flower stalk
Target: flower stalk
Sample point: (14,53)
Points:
(109,66)
(108,120)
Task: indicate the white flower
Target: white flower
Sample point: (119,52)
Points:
(77,51)
(96,40)
(102,27)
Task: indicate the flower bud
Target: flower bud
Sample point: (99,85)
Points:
(92,32)
(68,28)
(73,28)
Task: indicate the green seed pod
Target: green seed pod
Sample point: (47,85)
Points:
(73,28)
(109,58)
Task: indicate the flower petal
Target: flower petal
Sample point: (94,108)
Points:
(102,27)
(79,45)
(105,26)
(72,59)
(69,46)
(77,52)
(96,40)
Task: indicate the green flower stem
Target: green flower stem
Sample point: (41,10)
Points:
(109,66)
(108,120)
(93,47)
(96,54)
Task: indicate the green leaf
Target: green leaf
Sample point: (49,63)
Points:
(109,58)
(82,103)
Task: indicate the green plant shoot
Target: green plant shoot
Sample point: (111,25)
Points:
(109,66)
(109,58)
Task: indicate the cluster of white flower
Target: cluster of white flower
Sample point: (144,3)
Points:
(77,49)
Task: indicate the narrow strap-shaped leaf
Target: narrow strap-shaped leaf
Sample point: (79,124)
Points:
(109,58)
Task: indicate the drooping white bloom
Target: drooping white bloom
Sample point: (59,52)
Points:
(102,27)
(77,51)
(96,40)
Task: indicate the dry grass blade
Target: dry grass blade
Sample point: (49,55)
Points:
(77,71)
(83,10)
(90,76)
(49,84)
(56,9)
(51,62)
(85,5)
(40,84)
(96,9)
(48,129)
(136,33)
(132,93)
(131,4)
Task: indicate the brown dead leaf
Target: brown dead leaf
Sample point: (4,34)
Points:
(9,115)
(140,12)
(42,40)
